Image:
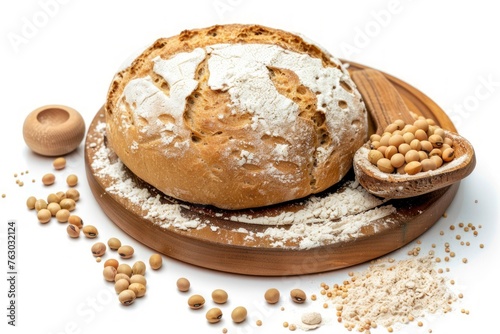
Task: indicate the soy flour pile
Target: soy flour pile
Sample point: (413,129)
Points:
(391,292)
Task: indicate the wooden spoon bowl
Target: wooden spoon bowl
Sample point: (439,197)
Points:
(385,105)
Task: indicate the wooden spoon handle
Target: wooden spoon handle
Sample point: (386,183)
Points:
(381,98)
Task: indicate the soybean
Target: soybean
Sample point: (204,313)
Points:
(44,216)
(30,202)
(448,154)
(298,296)
(219,296)
(385,165)
(114,243)
(196,302)
(52,198)
(397,160)
(239,314)
(72,180)
(390,151)
(421,124)
(73,231)
(98,249)
(111,262)
(124,268)
(435,151)
(126,297)
(183,284)
(214,315)
(120,276)
(139,268)
(428,164)
(90,231)
(437,160)
(272,296)
(138,279)
(48,179)
(420,134)
(374,156)
(413,167)
(121,285)
(61,195)
(40,204)
(109,273)
(422,155)
(126,252)
(75,220)
(73,193)
(53,208)
(155,261)
(415,144)
(59,163)
(412,155)
(436,140)
(138,288)
(62,215)
(426,145)
(68,203)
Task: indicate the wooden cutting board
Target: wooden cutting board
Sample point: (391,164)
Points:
(220,242)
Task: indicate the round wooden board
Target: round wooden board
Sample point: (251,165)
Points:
(220,243)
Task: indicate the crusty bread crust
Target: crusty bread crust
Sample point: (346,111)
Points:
(218,148)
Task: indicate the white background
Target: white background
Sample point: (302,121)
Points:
(447,49)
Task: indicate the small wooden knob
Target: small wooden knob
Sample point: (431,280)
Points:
(53,130)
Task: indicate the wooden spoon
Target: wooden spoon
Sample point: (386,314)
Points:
(385,105)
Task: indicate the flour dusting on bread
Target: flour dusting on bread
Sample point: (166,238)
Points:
(236,116)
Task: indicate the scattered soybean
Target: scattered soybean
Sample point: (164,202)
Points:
(298,296)
(59,163)
(138,279)
(48,179)
(196,302)
(214,315)
(121,285)
(183,284)
(75,220)
(155,261)
(72,180)
(272,295)
(98,249)
(126,252)
(114,243)
(111,262)
(138,288)
(219,296)
(90,231)
(126,297)
(73,231)
(44,216)
(139,268)
(125,268)
(109,273)
(63,215)
(239,314)
(30,202)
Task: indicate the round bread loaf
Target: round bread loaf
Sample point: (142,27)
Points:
(236,116)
